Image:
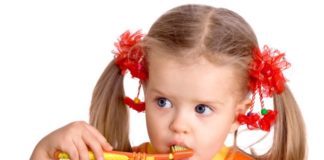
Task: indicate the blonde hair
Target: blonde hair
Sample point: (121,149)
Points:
(222,36)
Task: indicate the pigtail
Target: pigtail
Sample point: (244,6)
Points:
(108,113)
(289,141)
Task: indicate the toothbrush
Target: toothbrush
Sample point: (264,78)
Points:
(177,152)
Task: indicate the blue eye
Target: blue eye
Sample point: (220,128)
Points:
(164,103)
(203,109)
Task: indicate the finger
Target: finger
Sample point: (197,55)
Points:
(102,140)
(82,149)
(93,144)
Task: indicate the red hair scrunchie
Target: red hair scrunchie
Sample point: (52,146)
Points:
(266,79)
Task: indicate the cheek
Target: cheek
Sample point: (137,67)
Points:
(154,122)
(215,130)
(210,139)
(155,117)
(220,132)
(150,118)
(157,129)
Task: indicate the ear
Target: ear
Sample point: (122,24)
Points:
(240,108)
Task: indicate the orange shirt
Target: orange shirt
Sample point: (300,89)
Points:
(226,153)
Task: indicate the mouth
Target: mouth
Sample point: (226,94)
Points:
(178,148)
(181,152)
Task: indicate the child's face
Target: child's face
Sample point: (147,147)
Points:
(192,105)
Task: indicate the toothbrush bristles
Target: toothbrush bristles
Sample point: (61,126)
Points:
(175,148)
(180,152)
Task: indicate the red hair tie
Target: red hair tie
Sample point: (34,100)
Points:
(130,56)
(266,79)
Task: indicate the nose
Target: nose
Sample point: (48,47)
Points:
(180,123)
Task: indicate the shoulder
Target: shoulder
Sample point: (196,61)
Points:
(237,154)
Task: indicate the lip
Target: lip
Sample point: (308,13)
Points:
(182,144)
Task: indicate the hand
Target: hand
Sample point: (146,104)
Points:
(74,139)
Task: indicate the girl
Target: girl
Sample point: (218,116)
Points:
(198,66)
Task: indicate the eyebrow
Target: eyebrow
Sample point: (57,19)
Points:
(158,91)
(210,102)
(200,101)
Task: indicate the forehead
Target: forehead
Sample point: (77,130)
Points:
(195,77)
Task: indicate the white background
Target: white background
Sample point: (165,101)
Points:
(53,52)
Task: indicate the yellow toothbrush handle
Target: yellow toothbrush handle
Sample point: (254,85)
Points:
(107,156)
(119,155)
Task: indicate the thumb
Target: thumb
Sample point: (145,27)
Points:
(41,154)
